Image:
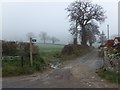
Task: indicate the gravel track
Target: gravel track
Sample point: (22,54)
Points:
(78,73)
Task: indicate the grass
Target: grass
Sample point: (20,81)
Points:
(0,71)
(110,76)
(50,47)
(52,52)
(49,53)
(15,68)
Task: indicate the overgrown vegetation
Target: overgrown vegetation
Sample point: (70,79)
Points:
(14,67)
(73,51)
(48,53)
(110,71)
(108,75)
(17,62)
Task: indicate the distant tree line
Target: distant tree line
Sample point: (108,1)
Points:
(44,37)
(13,48)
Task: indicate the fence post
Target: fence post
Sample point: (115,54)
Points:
(22,61)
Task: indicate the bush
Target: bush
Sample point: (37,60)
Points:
(9,48)
(24,49)
(12,70)
(72,51)
(39,63)
(12,48)
(14,67)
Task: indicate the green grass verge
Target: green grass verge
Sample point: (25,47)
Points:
(15,68)
(110,76)
(51,56)
(0,71)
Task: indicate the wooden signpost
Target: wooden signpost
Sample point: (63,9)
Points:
(31,50)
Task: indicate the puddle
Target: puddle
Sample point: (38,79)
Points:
(67,67)
(55,66)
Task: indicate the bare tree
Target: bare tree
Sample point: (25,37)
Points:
(54,39)
(92,29)
(82,12)
(74,31)
(43,36)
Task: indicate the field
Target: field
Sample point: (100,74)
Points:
(50,52)
(50,47)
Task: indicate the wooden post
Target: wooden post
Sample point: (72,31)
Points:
(31,58)
(76,34)
(22,61)
(21,53)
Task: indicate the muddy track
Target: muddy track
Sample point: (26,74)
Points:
(78,73)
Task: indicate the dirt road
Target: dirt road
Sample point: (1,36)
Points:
(79,73)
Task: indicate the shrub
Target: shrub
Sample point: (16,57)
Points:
(14,67)
(73,49)
(24,49)
(39,63)
(9,48)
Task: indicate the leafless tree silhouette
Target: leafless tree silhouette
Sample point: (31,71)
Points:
(83,12)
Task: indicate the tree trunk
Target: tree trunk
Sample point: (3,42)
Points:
(76,35)
(75,38)
(75,41)
(90,43)
(84,40)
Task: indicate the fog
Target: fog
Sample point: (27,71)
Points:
(19,18)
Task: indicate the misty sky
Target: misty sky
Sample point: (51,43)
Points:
(19,18)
